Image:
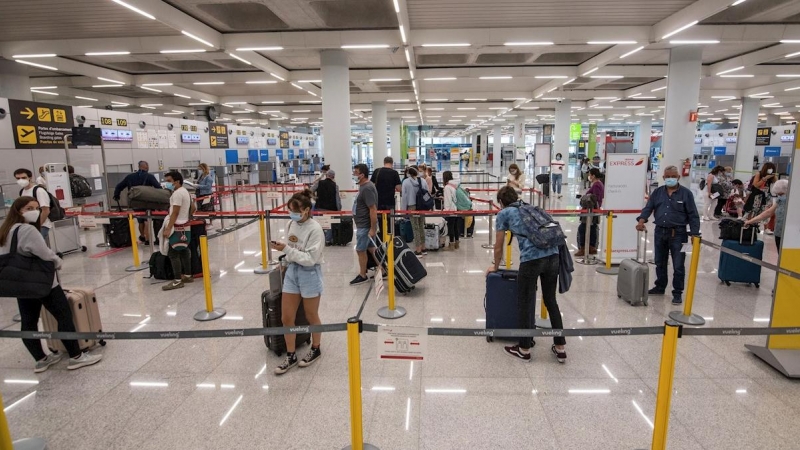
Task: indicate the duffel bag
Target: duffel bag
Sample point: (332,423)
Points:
(148,197)
(731,229)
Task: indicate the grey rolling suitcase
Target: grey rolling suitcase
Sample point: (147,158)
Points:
(634,275)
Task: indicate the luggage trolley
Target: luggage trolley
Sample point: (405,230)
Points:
(65,237)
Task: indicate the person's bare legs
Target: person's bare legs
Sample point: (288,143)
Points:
(289,305)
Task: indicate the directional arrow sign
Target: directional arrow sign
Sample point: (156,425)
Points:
(27,113)
(39,125)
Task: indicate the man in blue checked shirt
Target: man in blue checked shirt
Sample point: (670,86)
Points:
(673,208)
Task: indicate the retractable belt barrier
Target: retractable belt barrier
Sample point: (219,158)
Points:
(751,260)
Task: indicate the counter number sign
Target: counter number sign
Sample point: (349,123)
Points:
(39,125)
(106,121)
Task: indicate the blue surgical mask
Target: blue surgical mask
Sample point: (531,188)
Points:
(169,185)
(295,216)
(671,182)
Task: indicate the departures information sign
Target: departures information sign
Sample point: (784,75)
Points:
(39,125)
(218,135)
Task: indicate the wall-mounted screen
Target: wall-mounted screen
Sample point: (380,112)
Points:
(109,135)
(190,138)
(272,141)
(787,138)
(124,135)
(296,143)
(242,139)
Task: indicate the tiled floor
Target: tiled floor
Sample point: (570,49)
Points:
(215,393)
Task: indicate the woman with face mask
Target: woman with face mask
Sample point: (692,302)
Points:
(557,170)
(302,280)
(778,208)
(759,188)
(516,178)
(205,184)
(20,230)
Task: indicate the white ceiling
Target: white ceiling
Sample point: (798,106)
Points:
(749,35)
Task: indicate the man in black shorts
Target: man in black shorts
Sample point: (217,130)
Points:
(139,178)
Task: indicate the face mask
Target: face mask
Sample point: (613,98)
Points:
(23,183)
(558,158)
(297,217)
(168,185)
(31,216)
(671,182)
(769,171)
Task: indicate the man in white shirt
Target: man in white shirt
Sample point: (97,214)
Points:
(557,171)
(31,189)
(177,231)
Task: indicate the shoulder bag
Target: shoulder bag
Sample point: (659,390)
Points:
(25,276)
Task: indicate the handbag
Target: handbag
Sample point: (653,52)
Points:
(25,276)
(179,239)
(730,229)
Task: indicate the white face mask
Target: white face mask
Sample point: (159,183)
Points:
(769,171)
(31,216)
(23,183)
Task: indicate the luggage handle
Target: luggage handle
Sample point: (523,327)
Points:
(641,247)
(741,235)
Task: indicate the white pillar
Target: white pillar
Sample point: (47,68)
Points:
(336,114)
(379,133)
(394,135)
(519,137)
(496,148)
(484,140)
(561,132)
(645,131)
(14,81)
(746,140)
(683,91)
(474,142)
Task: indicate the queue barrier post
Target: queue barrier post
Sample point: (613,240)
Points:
(588,258)
(263,232)
(508,239)
(209,313)
(392,311)
(354,376)
(666,375)
(137,265)
(543,320)
(607,269)
(235,209)
(686,316)
(22,444)
(491,228)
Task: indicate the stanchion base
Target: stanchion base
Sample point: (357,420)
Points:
(487,246)
(17,318)
(204,316)
(588,261)
(608,270)
(785,361)
(386,313)
(30,444)
(365,446)
(139,268)
(261,271)
(543,323)
(692,319)
(103,245)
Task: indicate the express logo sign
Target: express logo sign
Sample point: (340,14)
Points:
(628,162)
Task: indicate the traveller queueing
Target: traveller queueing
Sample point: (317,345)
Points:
(141,177)
(408,202)
(177,232)
(726,182)
(302,281)
(30,189)
(673,209)
(23,219)
(778,207)
(328,199)
(585,166)
(597,189)
(759,188)
(366,221)
(205,184)
(534,263)
(453,223)
(516,178)
(713,186)
(387,182)
(557,172)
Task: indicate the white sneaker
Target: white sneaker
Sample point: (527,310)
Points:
(48,361)
(84,360)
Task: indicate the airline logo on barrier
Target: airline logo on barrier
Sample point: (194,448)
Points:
(628,162)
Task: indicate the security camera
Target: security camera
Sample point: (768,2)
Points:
(559,100)
(2,113)
(720,135)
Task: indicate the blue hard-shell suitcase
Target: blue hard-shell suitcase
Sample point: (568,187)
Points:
(500,302)
(736,270)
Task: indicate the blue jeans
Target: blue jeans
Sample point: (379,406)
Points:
(556,183)
(670,241)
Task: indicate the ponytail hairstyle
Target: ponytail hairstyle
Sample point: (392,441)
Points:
(300,201)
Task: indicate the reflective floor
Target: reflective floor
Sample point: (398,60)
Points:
(215,393)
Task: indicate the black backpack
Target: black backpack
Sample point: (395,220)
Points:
(79,186)
(56,211)
(424,199)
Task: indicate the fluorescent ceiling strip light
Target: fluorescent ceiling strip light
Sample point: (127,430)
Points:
(277,76)
(150,105)
(44,92)
(551,77)
(134,9)
(679,29)
(697,41)
(527,44)
(181,96)
(738,2)
(730,70)
(150,89)
(499,77)
(188,50)
(612,42)
(631,52)
(261,82)
(785,90)
(157,84)
(86,98)
(208,83)
(44,87)
(737,76)
(364,46)
(297,86)
(435,100)
(788,75)
(658,89)
(110,80)
(119,103)
(36,55)
(41,66)
(398,100)
(384,79)
(466,109)
(608,77)
(403,34)
(457,44)
(258,49)
(241,59)
(440,79)
(105,85)
(309,101)
(107,53)
(590,71)
(198,104)
(198,39)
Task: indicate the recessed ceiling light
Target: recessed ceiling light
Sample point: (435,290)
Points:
(461,44)
(44,87)
(208,83)
(434,109)
(527,44)
(698,41)
(398,100)
(105,85)
(191,50)
(658,89)
(440,79)
(689,25)
(374,80)
(134,9)
(611,42)
(86,98)
(591,71)
(196,38)
(150,89)
(43,92)
(310,102)
(41,66)
(364,46)
(261,82)
(730,70)
(631,52)
(240,59)
(737,76)
(258,49)
(551,77)
(466,109)
(607,76)
(107,53)
(272,102)
(498,77)
(110,80)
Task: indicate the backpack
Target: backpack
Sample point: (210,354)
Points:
(539,227)
(463,203)
(424,199)
(56,211)
(79,186)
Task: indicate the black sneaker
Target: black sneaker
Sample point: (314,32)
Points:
(656,291)
(288,363)
(313,355)
(676,299)
(560,356)
(359,280)
(517,353)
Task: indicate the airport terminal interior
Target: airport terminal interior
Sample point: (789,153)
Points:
(264,93)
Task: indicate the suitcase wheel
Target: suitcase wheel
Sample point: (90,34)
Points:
(619,296)
(757,286)
(102,342)
(83,248)
(60,255)
(727,283)
(489,339)
(308,341)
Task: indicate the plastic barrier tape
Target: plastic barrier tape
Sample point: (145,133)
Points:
(752,260)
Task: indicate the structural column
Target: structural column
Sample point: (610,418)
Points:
(645,131)
(519,138)
(497,148)
(379,133)
(561,132)
(746,140)
(483,138)
(683,91)
(394,136)
(14,81)
(336,114)
(474,142)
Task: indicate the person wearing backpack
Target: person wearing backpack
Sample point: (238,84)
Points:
(78,184)
(454,223)
(31,189)
(539,238)
(411,198)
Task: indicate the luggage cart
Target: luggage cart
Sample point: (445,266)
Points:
(65,237)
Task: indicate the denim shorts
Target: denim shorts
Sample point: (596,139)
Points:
(306,281)
(362,240)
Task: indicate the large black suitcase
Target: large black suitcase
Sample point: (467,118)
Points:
(408,269)
(342,231)
(501,302)
(271,314)
(198,228)
(118,232)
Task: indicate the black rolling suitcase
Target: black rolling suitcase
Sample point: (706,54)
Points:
(160,267)
(271,313)
(198,228)
(118,232)
(342,231)
(408,269)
